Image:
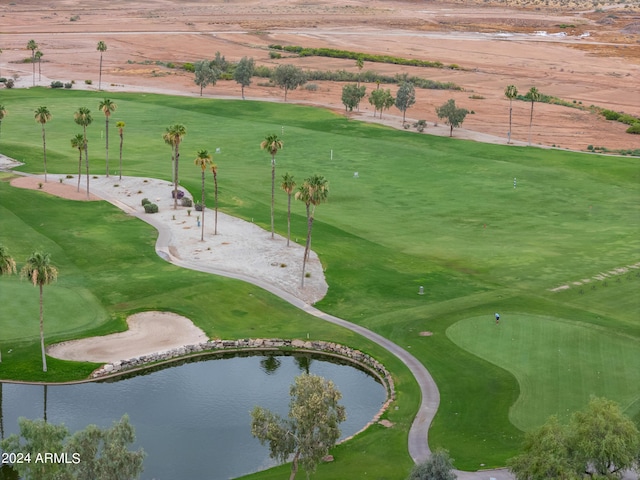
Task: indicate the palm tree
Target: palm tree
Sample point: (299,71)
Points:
(510,92)
(313,192)
(120,125)
(3,113)
(38,56)
(102,47)
(533,95)
(203,160)
(108,107)
(42,116)
(173,136)
(288,185)
(78,142)
(272,144)
(83,118)
(40,272)
(33,46)
(214,171)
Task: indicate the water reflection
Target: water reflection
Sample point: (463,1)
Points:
(193,420)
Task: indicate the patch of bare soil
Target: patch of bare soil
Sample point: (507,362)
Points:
(587,56)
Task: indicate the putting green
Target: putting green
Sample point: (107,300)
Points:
(558,363)
(66,310)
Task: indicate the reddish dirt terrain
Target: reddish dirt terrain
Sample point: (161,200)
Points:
(495,44)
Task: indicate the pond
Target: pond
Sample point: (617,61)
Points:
(193,419)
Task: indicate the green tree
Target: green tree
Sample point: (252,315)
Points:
(452,115)
(313,192)
(120,126)
(288,77)
(352,94)
(214,171)
(243,72)
(78,142)
(510,92)
(102,47)
(108,107)
(381,100)
(405,98)
(105,454)
(38,57)
(83,118)
(42,116)
(205,74)
(173,136)
(272,144)
(288,184)
(219,62)
(439,466)
(33,46)
(603,440)
(312,426)
(3,113)
(533,95)
(203,160)
(545,454)
(40,272)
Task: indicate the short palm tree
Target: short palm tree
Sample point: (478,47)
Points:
(83,118)
(102,47)
(42,116)
(203,160)
(510,92)
(214,171)
(272,144)
(533,95)
(173,136)
(108,107)
(313,192)
(120,125)
(7,263)
(40,272)
(33,46)
(78,142)
(288,185)
(3,113)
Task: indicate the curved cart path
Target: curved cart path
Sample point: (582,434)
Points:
(418,444)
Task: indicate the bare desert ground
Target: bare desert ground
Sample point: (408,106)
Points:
(590,54)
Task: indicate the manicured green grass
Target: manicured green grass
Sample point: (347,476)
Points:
(425,211)
(559,363)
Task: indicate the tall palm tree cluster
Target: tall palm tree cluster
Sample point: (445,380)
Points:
(40,272)
(533,95)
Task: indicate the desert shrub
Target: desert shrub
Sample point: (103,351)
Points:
(74,18)
(275,46)
(590,148)
(68,85)
(628,119)
(635,128)
(189,67)
(186,202)
(180,194)
(275,55)
(610,114)
(419,125)
(151,208)
(262,71)
(226,76)
(145,201)
(312,87)
(57,84)
(198,206)
(88,82)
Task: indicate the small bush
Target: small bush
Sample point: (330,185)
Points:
(68,85)
(151,208)
(75,18)
(312,87)
(145,201)
(88,82)
(180,194)
(198,206)
(57,84)
(9,83)
(186,202)
(274,55)
(634,129)
(610,114)
(69,176)
(3,80)
(628,119)
(189,67)
(590,148)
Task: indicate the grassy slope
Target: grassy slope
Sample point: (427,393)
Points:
(425,211)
